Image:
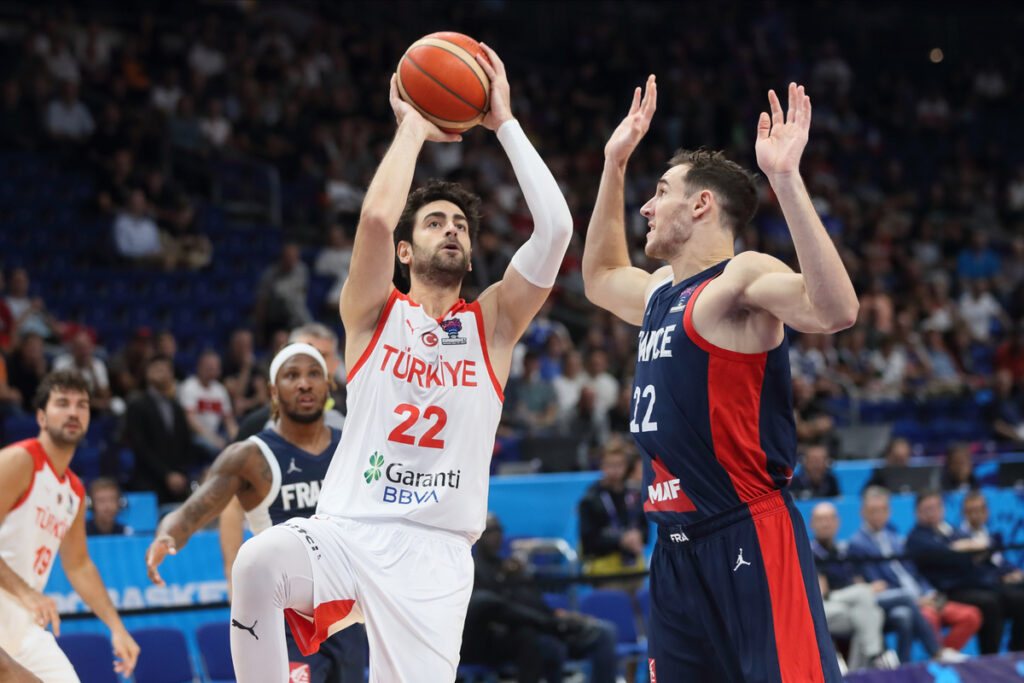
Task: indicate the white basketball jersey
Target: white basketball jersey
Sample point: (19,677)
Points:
(33,530)
(423,407)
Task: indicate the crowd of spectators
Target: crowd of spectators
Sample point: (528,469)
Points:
(911,165)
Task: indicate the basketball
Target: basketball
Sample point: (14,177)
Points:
(440,77)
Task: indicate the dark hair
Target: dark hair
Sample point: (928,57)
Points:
(64,380)
(100,483)
(925,495)
(436,190)
(732,184)
(160,358)
(973,494)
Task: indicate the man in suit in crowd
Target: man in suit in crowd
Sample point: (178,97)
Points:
(961,567)
(876,538)
(157,431)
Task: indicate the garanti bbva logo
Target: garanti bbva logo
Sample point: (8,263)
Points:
(376,462)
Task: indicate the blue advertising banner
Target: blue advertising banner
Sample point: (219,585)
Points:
(194,576)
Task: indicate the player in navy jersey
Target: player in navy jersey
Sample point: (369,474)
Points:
(734,594)
(276,475)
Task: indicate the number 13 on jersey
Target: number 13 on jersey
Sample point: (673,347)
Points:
(639,395)
(428,439)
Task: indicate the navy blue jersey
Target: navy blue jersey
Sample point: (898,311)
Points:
(297,478)
(715,426)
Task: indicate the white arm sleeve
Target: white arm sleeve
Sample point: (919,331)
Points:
(539,259)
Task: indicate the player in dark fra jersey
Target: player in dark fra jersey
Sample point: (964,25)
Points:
(734,594)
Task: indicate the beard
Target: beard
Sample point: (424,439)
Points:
(668,240)
(440,269)
(62,438)
(302,418)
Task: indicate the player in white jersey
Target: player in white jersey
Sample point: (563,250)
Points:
(406,492)
(41,513)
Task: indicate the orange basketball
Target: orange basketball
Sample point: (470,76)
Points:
(439,75)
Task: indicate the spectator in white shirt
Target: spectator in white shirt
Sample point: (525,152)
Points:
(978,309)
(606,387)
(61,63)
(215,127)
(29,313)
(80,357)
(136,235)
(569,384)
(67,118)
(889,364)
(333,261)
(93,47)
(204,57)
(166,94)
(208,406)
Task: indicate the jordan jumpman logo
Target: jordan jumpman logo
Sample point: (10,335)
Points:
(292,467)
(250,629)
(740,561)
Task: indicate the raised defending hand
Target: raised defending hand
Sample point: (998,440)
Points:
(632,129)
(501,109)
(781,139)
(406,112)
(161,547)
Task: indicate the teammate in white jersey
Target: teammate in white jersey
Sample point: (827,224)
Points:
(41,513)
(406,493)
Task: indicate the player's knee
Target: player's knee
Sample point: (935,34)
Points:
(254,565)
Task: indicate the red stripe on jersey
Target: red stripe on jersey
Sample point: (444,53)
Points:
(475,306)
(309,634)
(734,406)
(376,334)
(795,639)
(705,345)
(35,449)
(76,485)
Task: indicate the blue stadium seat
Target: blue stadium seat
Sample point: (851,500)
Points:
(214,641)
(101,431)
(89,654)
(164,656)
(557,600)
(20,427)
(643,601)
(86,463)
(616,607)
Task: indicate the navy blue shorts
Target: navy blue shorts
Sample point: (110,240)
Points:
(340,659)
(736,598)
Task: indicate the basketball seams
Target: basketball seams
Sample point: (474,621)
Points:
(444,87)
(443,124)
(452,50)
(463,55)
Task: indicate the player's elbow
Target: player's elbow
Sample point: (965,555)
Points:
(561,219)
(374,219)
(842,318)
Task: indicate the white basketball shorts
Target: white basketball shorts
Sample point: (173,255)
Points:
(410,584)
(39,653)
